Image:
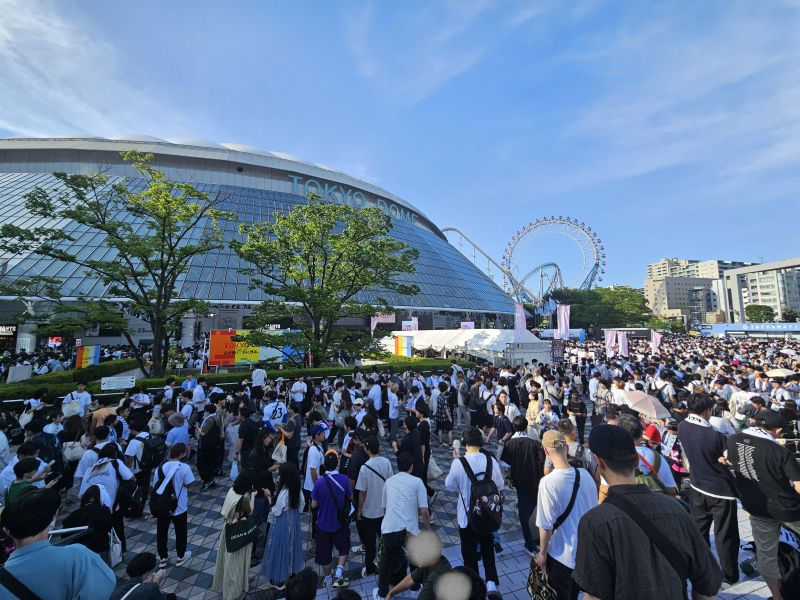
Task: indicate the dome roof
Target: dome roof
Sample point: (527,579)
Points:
(135,137)
(194,142)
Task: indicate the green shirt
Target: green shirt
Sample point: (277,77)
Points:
(15,489)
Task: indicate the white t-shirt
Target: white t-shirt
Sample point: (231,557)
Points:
(457,481)
(7,476)
(199,397)
(371,480)
(276,413)
(403,495)
(258,377)
(135,449)
(105,476)
(555,490)
(298,391)
(90,458)
(75,403)
(5,451)
(181,477)
(315,458)
(394,403)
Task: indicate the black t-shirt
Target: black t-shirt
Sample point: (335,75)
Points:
(411,444)
(424,429)
(577,406)
(617,561)
(703,446)
(293,425)
(764,471)
(526,457)
(144,591)
(427,577)
(248,430)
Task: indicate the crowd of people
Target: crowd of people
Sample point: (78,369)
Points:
(597,481)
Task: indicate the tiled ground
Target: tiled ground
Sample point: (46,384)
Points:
(193,581)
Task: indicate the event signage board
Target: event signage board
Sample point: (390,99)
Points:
(86,356)
(224,351)
(467,325)
(557,352)
(120,382)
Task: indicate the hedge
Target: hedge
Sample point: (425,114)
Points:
(63,382)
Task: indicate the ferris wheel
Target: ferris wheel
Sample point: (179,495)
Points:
(589,245)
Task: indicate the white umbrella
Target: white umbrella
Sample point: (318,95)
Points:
(788,352)
(647,405)
(779,373)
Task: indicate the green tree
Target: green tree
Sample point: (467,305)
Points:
(789,315)
(604,307)
(759,313)
(152,238)
(317,262)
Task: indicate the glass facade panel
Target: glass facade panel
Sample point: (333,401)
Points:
(446,278)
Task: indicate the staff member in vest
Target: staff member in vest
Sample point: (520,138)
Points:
(458,481)
(713,495)
(768,483)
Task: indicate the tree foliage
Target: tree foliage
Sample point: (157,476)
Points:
(604,307)
(759,313)
(789,315)
(315,263)
(150,235)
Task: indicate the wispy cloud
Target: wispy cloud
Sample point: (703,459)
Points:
(725,97)
(420,51)
(59,75)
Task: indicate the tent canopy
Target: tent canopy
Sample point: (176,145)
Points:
(485,343)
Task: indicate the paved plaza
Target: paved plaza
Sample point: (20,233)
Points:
(193,580)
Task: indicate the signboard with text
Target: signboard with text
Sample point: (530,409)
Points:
(225,352)
(120,382)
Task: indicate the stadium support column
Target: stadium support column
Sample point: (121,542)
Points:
(188,326)
(26,337)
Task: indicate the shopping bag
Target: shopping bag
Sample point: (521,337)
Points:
(234,470)
(114,549)
(538,587)
(434,471)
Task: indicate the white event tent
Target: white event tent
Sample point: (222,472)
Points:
(495,345)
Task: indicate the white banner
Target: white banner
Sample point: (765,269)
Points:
(655,341)
(622,340)
(519,323)
(123,382)
(611,336)
(467,324)
(563,321)
(380,318)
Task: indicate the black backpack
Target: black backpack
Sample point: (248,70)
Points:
(154,449)
(48,450)
(164,504)
(485,512)
(129,495)
(578,460)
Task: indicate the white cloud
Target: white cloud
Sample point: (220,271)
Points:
(59,75)
(417,52)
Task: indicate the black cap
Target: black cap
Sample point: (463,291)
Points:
(372,444)
(611,442)
(358,434)
(769,419)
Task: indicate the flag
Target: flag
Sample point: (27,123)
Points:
(563,321)
(86,356)
(610,335)
(655,341)
(622,340)
(380,318)
(519,323)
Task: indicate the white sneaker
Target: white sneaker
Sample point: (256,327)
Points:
(375,594)
(183,559)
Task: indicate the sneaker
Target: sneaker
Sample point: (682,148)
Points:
(183,559)
(212,485)
(341,582)
(205,486)
(375,595)
(162,564)
(494,595)
(357,549)
(327,582)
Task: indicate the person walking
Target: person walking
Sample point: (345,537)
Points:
(577,411)
(638,543)
(459,480)
(209,437)
(713,492)
(331,497)
(525,457)
(232,568)
(178,475)
(369,514)
(565,495)
(768,483)
(140,462)
(404,498)
(284,553)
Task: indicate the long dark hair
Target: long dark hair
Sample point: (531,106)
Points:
(289,478)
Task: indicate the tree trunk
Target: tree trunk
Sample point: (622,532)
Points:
(156,353)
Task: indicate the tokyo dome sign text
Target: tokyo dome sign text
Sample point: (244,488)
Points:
(335,192)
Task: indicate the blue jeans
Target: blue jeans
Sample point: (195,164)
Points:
(526,505)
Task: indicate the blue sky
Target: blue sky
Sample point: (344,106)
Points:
(671,128)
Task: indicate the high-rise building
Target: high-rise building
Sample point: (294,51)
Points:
(775,284)
(681,267)
(690,299)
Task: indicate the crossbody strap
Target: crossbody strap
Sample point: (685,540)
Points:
(15,586)
(575,485)
(333,494)
(654,470)
(667,549)
(374,471)
(130,591)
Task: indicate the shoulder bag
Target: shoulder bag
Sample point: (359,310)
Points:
(242,532)
(538,586)
(668,550)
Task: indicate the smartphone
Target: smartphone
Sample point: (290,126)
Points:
(51,463)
